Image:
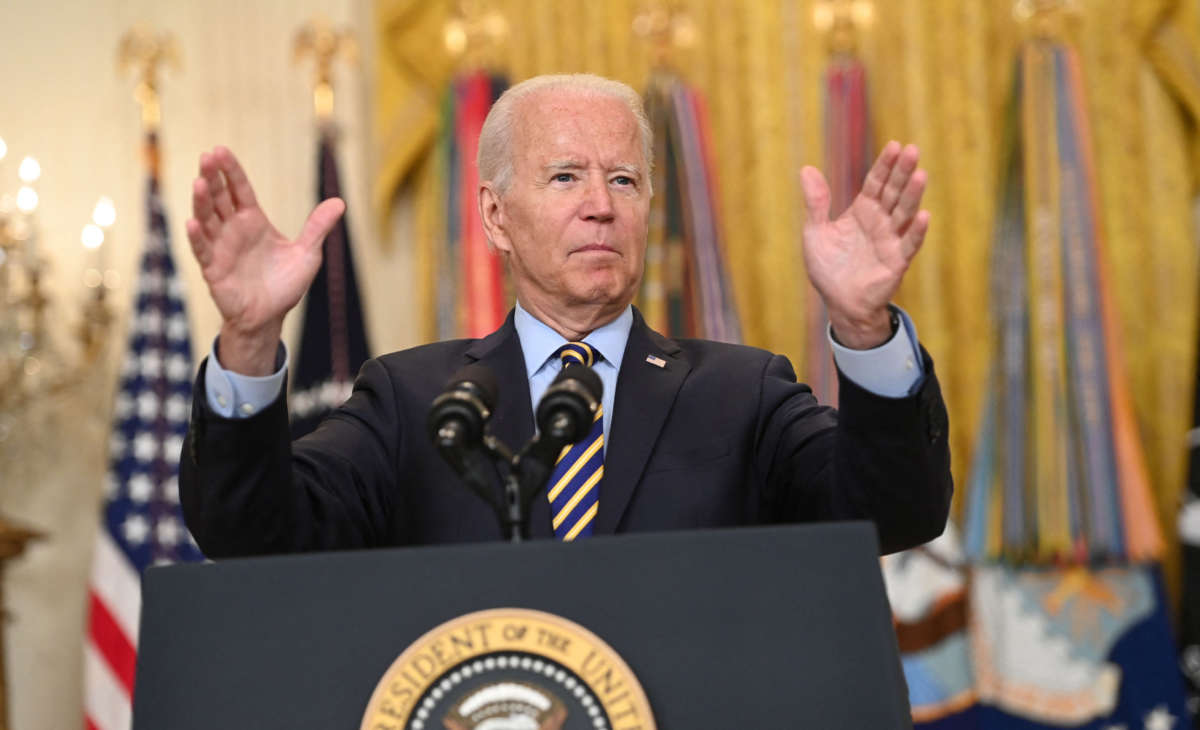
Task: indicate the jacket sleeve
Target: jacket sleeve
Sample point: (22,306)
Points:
(881,459)
(246,489)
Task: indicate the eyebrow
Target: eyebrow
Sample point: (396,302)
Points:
(571,164)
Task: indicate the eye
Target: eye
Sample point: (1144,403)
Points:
(624,181)
(563,177)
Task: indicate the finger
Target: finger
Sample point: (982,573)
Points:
(320,222)
(203,210)
(241,191)
(211,171)
(816,194)
(877,176)
(200,242)
(915,235)
(909,202)
(905,165)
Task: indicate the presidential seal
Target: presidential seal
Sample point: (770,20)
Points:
(508,669)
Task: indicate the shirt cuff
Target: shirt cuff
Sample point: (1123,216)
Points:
(233,395)
(895,369)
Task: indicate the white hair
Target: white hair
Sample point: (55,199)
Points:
(495,156)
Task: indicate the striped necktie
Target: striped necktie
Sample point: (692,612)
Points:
(575,483)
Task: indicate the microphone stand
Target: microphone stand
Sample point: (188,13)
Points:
(528,469)
(513,512)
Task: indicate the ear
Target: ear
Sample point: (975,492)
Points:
(491,212)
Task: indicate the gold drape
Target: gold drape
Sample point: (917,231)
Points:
(940,72)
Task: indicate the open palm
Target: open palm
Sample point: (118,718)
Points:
(254,273)
(856,262)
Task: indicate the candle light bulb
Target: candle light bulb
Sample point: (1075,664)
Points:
(105,214)
(29,171)
(27,200)
(92,236)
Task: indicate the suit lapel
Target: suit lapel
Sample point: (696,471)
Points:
(512,421)
(645,394)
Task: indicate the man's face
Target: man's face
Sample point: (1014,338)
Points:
(572,222)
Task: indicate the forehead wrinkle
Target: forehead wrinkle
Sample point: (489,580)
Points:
(546,121)
(567,164)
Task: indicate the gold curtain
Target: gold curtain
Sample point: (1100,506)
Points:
(939,74)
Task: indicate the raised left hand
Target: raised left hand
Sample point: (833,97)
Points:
(857,261)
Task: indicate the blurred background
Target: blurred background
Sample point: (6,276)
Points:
(1059,275)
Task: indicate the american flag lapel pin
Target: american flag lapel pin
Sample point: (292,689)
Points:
(656,361)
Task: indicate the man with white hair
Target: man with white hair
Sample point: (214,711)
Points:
(692,434)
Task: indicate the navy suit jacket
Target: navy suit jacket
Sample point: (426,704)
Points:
(722,435)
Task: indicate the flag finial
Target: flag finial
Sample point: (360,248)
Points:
(144,52)
(319,39)
(474,34)
(841,21)
(667,27)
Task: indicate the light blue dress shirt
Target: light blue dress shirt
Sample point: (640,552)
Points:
(893,370)
(539,343)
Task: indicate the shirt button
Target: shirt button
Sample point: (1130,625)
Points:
(909,364)
(247,408)
(221,400)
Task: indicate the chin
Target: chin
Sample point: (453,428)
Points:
(600,292)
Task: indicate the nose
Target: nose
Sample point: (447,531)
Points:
(597,203)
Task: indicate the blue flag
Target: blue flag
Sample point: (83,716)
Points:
(333,340)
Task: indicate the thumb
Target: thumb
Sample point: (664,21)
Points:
(816,194)
(321,221)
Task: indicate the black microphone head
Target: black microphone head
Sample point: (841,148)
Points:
(585,377)
(569,405)
(481,378)
(458,416)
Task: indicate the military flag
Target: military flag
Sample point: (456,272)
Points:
(470,296)
(1067,626)
(686,290)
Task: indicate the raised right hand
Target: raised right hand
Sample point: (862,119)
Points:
(254,273)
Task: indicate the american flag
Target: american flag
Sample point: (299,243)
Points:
(143,523)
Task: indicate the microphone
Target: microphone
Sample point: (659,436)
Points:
(459,414)
(564,416)
(568,407)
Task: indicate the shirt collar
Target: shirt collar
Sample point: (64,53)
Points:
(539,342)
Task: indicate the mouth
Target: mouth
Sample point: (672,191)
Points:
(597,247)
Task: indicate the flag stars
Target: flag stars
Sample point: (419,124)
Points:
(178,367)
(112,486)
(152,283)
(170,491)
(177,329)
(136,529)
(1160,718)
(167,532)
(118,446)
(172,446)
(123,406)
(151,364)
(145,447)
(150,323)
(177,409)
(129,366)
(141,488)
(148,406)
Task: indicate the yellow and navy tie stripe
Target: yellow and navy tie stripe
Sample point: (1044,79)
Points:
(575,483)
